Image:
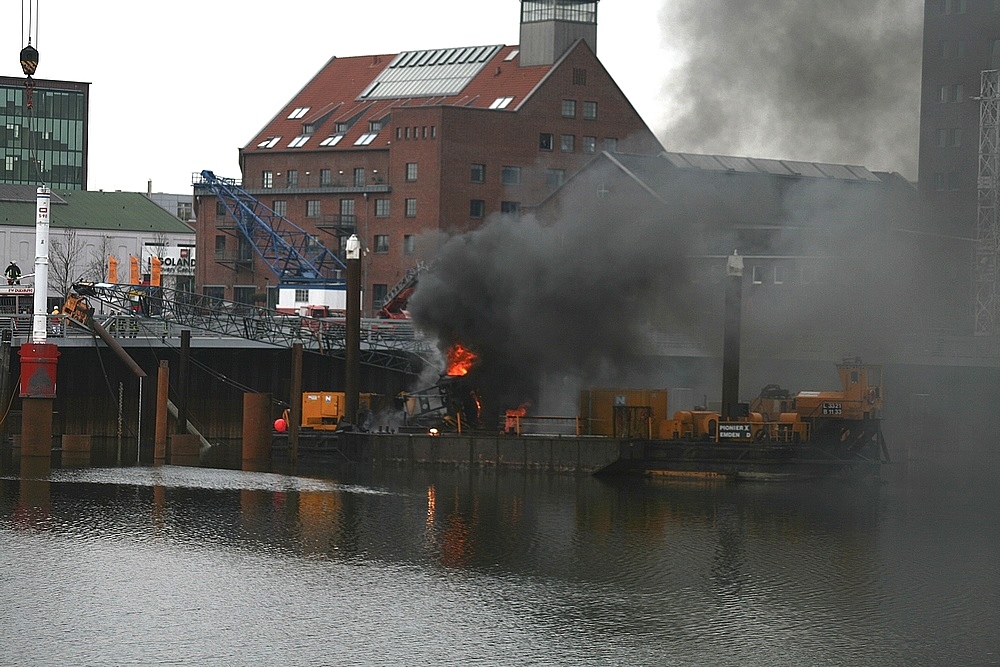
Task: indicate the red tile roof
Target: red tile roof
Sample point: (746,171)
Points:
(332,96)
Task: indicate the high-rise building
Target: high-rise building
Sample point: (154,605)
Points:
(961,40)
(46,142)
(402,148)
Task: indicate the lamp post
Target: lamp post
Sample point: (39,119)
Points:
(352,371)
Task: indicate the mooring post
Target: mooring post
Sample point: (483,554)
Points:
(256,431)
(295,404)
(38,357)
(182,381)
(160,438)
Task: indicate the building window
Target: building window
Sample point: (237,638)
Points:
(280,207)
(511,209)
(220,244)
(293,178)
(267,180)
(325,178)
(590,144)
(757,275)
(411,171)
(214,291)
(942,137)
(478,173)
(579,76)
(220,208)
(185,210)
(953,180)
(952,93)
(554,177)
(567,143)
(956,136)
(410,208)
(312,208)
(590,110)
(381,208)
(545,141)
(569,108)
(301,296)
(409,244)
(359,177)
(244,294)
(381,243)
(611,145)
(939,181)
(780,274)
(379,292)
(477,208)
(347,211)
(511,176)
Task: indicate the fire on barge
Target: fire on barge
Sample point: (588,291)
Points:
(779,434)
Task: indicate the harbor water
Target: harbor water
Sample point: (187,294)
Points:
(466,566)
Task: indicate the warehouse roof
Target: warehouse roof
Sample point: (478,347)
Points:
(348,100)
(85,209)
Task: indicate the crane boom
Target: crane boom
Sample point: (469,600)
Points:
(394,345)
(294,255)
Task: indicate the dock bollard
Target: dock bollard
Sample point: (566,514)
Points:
(256,431)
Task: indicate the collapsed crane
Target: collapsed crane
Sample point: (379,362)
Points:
(393,345)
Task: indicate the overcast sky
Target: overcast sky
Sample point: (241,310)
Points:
(178,87)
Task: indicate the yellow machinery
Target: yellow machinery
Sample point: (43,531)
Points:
(622,413)
(323,410)
(851,415)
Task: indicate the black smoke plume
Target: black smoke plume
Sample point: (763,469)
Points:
(816,80)
(578,297)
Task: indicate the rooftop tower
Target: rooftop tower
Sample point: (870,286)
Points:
(550,27)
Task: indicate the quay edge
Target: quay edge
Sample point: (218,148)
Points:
(577,454)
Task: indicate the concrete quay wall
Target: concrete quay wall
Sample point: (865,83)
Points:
(553,453)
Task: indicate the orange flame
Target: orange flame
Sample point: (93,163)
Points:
(520,411)
(460,360)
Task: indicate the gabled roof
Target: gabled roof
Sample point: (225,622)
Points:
(751,190)
(86,209)
(361,89)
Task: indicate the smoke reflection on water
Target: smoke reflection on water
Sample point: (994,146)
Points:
(392,566)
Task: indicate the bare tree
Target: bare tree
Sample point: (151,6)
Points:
(97,265)
(65,261)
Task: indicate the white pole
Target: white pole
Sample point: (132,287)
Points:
(42,202)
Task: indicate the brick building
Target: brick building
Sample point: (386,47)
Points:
(399,148)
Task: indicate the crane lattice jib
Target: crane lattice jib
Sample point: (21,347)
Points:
(987,281)
(293,254)
(395,344)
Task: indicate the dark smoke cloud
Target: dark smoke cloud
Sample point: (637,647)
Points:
(816,80)
(575,297)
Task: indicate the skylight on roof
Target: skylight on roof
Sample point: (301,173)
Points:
(332,140)
(366,139)
(430,73)
(298,112)
(511,55)
(298,141)
(501,102)
(270,142)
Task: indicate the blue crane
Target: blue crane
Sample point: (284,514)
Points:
(293,254)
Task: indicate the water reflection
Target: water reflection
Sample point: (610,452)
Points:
(507,567)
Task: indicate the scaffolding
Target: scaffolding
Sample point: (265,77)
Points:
(987,222)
